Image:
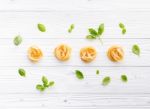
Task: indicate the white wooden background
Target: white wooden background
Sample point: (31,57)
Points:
(22,16)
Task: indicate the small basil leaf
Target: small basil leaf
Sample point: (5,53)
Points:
(123,31)
(124,78)
(41,27)
(79,74)
(22,72)
(136,49)
(17,40)
(51,83)
(92,32)
(45,81)
(106,81)
(97,72)
(101,29)
(71,28)
(90,37)
(40,87)
(121,25)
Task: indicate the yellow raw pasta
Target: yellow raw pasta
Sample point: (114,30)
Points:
(88,54)
(115,53)
(34,53)
(62,52)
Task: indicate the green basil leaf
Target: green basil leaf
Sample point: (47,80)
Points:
(106,81)
(17,40)
(22,72)
(90,37)
(45,85)
(40,87)
(123,31)
(97,72)
(121,25)
(101,29)
(41,27)
(93,32)
(79,74)
(45,81)
(136,49)
(51,83)
(124,78)
(71,28)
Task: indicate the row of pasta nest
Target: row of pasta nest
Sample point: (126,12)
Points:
(87,54)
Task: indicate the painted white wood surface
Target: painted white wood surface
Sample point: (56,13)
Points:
(22,16)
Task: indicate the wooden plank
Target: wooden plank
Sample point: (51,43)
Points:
(58,22)
(17,56)
(80,101)
(67,83)
(37,5)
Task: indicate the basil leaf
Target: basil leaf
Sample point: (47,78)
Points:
(121,25)
(123,31)
(93,32)
(79,74)
(40,87)
(97,72)
(17,40)
(101,29)
(136,49)
(45,81)
(90,37)
(51,83)
(71,28)
(106,81)
(22,72)
(41,27)
(124,78)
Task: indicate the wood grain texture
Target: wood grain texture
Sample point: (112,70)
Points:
(57,26)
(21,17)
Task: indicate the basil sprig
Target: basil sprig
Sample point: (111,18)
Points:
(46,84)
(96,33)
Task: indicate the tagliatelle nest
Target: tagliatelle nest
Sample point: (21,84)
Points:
(115,53)
(62,52)
(34,53)
(88,54)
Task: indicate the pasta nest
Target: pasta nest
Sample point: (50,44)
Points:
(88,54)
(115,53)
(34,53)
(62,52)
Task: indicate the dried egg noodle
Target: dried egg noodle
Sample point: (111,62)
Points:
(34,53)
(62,52)
(115,53)
(88,54)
